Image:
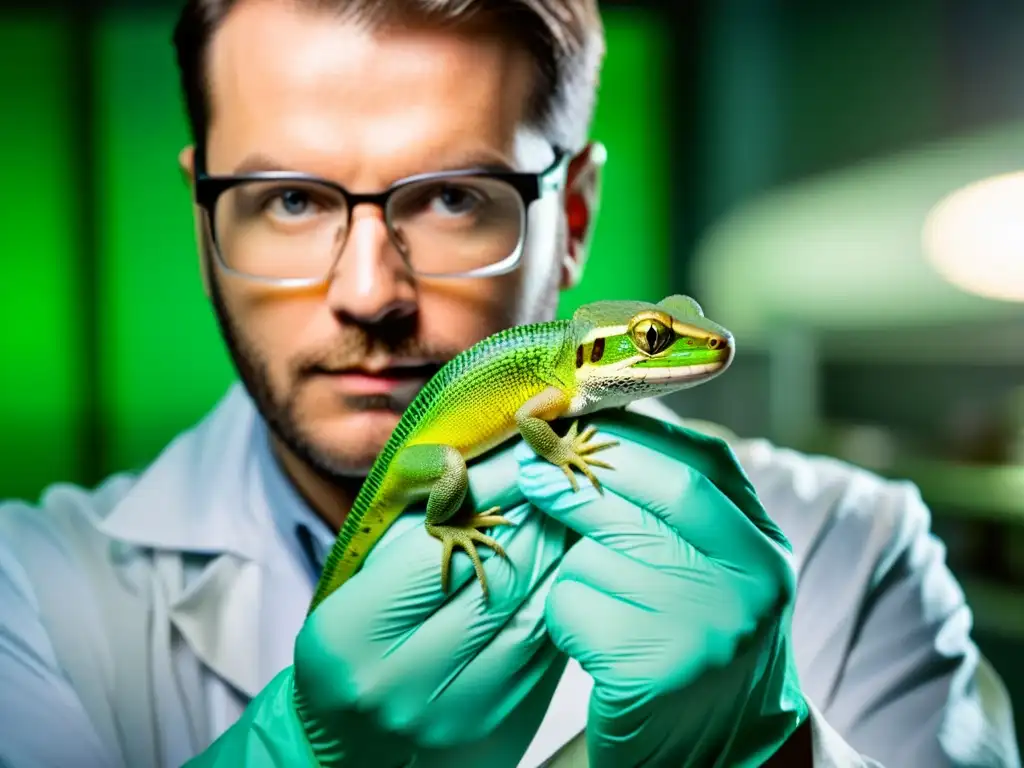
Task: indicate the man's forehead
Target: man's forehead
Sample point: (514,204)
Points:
(283,74)
(306,45)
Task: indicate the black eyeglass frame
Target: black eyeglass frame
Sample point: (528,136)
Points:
(530,186)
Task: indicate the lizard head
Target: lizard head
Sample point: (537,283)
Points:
(627,350)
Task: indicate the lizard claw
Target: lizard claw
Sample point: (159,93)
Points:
(576,452)
(466,537)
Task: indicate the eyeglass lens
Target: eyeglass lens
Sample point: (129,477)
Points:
(296,229)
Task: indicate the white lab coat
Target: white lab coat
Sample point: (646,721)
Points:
(137,619)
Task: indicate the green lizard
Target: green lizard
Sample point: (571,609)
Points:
(516,381)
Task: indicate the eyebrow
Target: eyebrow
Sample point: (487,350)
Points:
(259,162)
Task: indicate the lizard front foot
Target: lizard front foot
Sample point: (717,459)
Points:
(575,451)
(467,536)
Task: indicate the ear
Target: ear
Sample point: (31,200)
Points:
(186,164)
(582,196)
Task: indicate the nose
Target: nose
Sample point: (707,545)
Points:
(718,341)
(370,283)
(723,344)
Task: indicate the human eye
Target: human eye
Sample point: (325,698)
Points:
(455,200)
(289,203)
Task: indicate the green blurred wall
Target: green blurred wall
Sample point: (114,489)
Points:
(160,361)
(41,340)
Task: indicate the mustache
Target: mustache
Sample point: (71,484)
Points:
(355,345)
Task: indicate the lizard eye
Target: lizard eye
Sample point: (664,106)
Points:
(652,336)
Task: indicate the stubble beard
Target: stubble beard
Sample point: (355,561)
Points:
(281,411)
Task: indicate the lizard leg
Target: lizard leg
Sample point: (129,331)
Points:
(573,449)
(442,469)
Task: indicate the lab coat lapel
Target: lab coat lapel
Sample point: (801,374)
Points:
(193,501)
(218,615)
(192,498)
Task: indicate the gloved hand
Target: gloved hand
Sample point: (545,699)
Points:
(677,600)
(388,669)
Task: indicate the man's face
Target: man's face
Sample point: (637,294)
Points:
(332,367)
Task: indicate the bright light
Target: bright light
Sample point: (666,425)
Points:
(974,238)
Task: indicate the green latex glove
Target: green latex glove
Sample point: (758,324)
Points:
(677,600)
(388,669)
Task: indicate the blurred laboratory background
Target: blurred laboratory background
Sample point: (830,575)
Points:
(836,182)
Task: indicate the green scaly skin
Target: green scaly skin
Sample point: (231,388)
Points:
(515,382)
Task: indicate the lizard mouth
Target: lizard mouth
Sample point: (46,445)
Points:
(679,373)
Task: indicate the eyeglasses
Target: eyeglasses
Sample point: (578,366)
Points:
(289,229)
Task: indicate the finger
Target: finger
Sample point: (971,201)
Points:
(608,519)
(586,624)
(615,726)
(714,600)
(494,732)
(399,586)
(631,626)
(405,672)
(708,455)
(500,677)
(679,503)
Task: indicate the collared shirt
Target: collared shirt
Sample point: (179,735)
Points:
(138,619)
(304,533)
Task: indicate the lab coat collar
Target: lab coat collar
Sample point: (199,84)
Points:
(193,497)
(219,617)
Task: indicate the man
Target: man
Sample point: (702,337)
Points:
(160,618)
